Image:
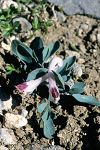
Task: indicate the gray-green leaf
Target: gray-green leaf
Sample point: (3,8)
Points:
(86,99)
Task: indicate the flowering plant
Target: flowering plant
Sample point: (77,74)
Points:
(54,72)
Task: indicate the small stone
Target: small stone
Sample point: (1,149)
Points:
(70,83)
(4,4)
(81,60)
(98,38)
(7,104)
(72,53)
(25,24)
(3,148)
(16,121)
(61,17)
(5,100)
(92,37)
(54,147)
(77,70)
(24,112)
(82,48)
(85,27)
(7,136)
(5,46)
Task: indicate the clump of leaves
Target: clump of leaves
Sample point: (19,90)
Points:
(10,68)
(40,20)
(52,71)
(6,26)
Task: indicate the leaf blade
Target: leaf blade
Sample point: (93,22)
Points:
(86,99)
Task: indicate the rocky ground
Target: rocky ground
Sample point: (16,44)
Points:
(77,125)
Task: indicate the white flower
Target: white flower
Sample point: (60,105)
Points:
(55,63)
(53,89)
(30,86)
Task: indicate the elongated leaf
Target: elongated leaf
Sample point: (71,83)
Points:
(77,88)
(23,52)
(58,79)
(86,99)
(45,115)
(41,107)
(37,46)
(49,129)
(36,73)
(50,50)
(67,64)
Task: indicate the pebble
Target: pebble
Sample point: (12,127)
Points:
(98,38)
(16,121)
(7,136)
(61,17)
(92,38)
(3,148)
(81,60)
(72,53)
(77,70)
(70,83)
(5,100)
(4,4)
(24,112)
(25,24)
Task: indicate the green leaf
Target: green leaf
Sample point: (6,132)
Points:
(77,88)
(45,114)
(86,99)
(37,46)
(41,107)
(58,79)
(50,50)
(36,73)
(67,64)
(23,52)
(35,23)
(49,129)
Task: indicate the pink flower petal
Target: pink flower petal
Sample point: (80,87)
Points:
(22,87)
(55,63)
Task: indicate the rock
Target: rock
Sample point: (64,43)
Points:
(25,24)
(81,60)
(60,16)
(83,29)
(5,100)
(7,136)
(4,4)
(24,112)
(3,148)
(54,147)
(73,53)
(77,70)
(86,7)
(92,38)
(70,83)
(16,121)
(5,46)
(41,147)
(98,39)
(1,106)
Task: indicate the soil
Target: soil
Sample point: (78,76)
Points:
(77,125)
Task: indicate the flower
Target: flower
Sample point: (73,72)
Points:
(55,63)
(30,86)
(53,89)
